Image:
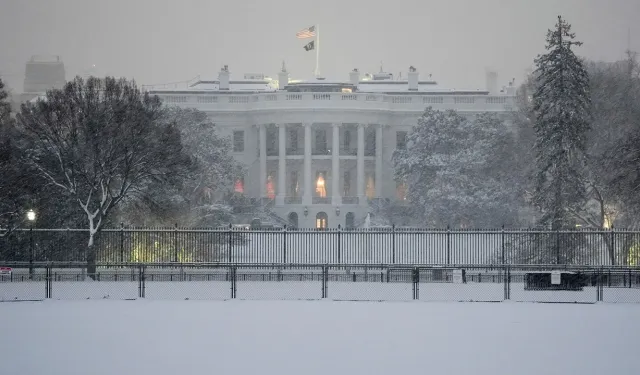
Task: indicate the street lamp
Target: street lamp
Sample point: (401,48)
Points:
(306,211)
(31,217)
(337,210)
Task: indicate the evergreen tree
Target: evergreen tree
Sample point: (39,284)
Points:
(561,103)
(454,170)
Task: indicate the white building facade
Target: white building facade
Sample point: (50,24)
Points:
(318,152)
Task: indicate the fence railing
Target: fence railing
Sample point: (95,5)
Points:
(336,246)
(582,284)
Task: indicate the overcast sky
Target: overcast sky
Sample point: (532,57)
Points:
(158,41)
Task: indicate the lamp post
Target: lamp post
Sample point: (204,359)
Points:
(31,217)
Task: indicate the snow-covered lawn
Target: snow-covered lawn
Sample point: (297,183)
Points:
(108,337)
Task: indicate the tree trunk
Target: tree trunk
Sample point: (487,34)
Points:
(91,257)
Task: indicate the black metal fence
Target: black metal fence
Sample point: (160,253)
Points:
(215,281)
(336,246)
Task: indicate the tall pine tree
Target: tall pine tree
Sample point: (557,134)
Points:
(561,103)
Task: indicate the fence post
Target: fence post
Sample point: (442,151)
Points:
(31,253)
(141,281)
(230,243)
(613,246)
(502,244)
(233,282)
(284,244)
(47,281)
(416,283)
(557,246)
(175,243)
(507,282)
(339,243)
(393,244)
(121,243)
(448,244)
(325,276)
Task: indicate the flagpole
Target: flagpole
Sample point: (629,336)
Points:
(317,72)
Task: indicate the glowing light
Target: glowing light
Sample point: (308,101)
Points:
(320,188)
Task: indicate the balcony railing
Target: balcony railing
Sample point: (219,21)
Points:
(320,151)
(292,200)
(350,200)
(362,101)
(295,151)
(349,151)
(321,200)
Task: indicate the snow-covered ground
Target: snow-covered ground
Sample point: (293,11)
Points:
(109,337)
(305,290)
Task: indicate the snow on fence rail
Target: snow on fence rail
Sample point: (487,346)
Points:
(364,246)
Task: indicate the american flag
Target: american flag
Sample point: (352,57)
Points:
(306,33)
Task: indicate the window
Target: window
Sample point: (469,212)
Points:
(401,190)
(294,185)
(321,140)
(370,143)
(293,139)
(370,189)
(238,141)
(271,141)
(271,184)
(401,140)
(346,184)
(238,187)
(346,140)
(321,186)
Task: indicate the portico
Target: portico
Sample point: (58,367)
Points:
(335,169)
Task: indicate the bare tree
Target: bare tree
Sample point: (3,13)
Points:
(99,141)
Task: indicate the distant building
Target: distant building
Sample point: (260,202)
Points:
(319,152)
(42,74)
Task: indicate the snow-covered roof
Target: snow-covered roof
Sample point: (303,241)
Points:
(240,85)
(376,83)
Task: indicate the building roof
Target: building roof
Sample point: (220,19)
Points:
(380,83)
(236,85)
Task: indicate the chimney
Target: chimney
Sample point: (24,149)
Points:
(511,89)
(354,77)
(283,77)
(413,77)
(491,82)
(223,77)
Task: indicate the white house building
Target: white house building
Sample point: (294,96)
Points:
(317,152)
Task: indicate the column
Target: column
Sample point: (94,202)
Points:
(379,160)
(282,164)
(336,198)
(360,165)
(306,197)
(263,160)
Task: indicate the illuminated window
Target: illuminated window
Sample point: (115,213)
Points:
(370,191)
(271,188)
(238,187)
(321,190)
